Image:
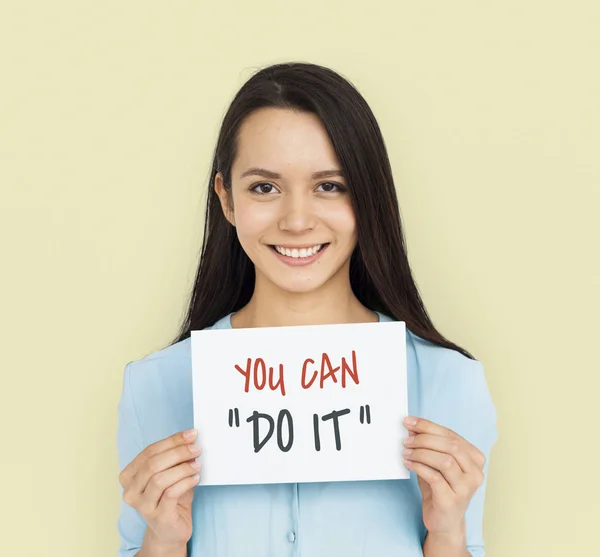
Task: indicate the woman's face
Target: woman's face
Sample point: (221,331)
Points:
(297,227)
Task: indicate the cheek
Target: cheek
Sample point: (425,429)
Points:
(252,219)
(341,219)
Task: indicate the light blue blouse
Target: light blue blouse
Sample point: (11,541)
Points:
(339,519)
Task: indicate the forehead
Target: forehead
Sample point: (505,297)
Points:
(283,140)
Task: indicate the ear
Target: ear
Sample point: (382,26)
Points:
(225,198)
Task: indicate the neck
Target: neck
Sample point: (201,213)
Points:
(272,307)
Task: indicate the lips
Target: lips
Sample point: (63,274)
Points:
(299,256)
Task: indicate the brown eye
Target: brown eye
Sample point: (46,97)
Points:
(330,187)
(263,188)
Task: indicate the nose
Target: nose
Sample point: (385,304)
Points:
(297,213)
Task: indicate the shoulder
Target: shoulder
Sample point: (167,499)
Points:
(173,360)
(159,388)
(170,360)
(444,365)
(438,363)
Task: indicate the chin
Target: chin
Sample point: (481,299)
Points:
(298,286)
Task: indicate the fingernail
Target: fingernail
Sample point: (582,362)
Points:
(190,434)
(410,421)
(194,448)
(195,465)
(408,440)
(406,452)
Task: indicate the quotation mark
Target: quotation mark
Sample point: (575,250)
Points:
(363,410)
(234,414)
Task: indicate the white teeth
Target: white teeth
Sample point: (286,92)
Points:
(298,253)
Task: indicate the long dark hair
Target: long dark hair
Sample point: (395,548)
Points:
(380,274)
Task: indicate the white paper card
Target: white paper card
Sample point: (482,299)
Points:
(300,404)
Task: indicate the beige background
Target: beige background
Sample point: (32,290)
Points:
(108,117)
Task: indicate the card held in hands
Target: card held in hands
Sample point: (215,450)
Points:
(316,403)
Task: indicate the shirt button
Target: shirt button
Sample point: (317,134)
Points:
(291,537)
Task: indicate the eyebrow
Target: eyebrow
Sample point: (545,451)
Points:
(274,176)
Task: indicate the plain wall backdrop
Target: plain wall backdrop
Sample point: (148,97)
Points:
(109,113)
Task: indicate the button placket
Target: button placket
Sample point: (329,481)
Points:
(293,533)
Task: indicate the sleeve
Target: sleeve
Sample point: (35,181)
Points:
(462,403)
(478,426)
(130,524)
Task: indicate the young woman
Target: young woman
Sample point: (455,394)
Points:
(303,228)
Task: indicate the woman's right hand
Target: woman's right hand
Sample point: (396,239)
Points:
(159,484)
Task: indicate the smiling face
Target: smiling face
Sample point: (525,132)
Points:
(289,203)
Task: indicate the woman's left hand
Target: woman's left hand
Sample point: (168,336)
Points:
(449,470)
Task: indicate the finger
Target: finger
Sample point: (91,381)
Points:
(162,481)
(438,484)
(422,425)
(463,452)
(168,501)
(444,463)
(425,426)
(162,461)
(163,445)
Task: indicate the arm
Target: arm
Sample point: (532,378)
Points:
(461,545)
(451,460)
(151,547)
(136,539)
(438,545)
(482,432)
(157,483)
(130,524)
